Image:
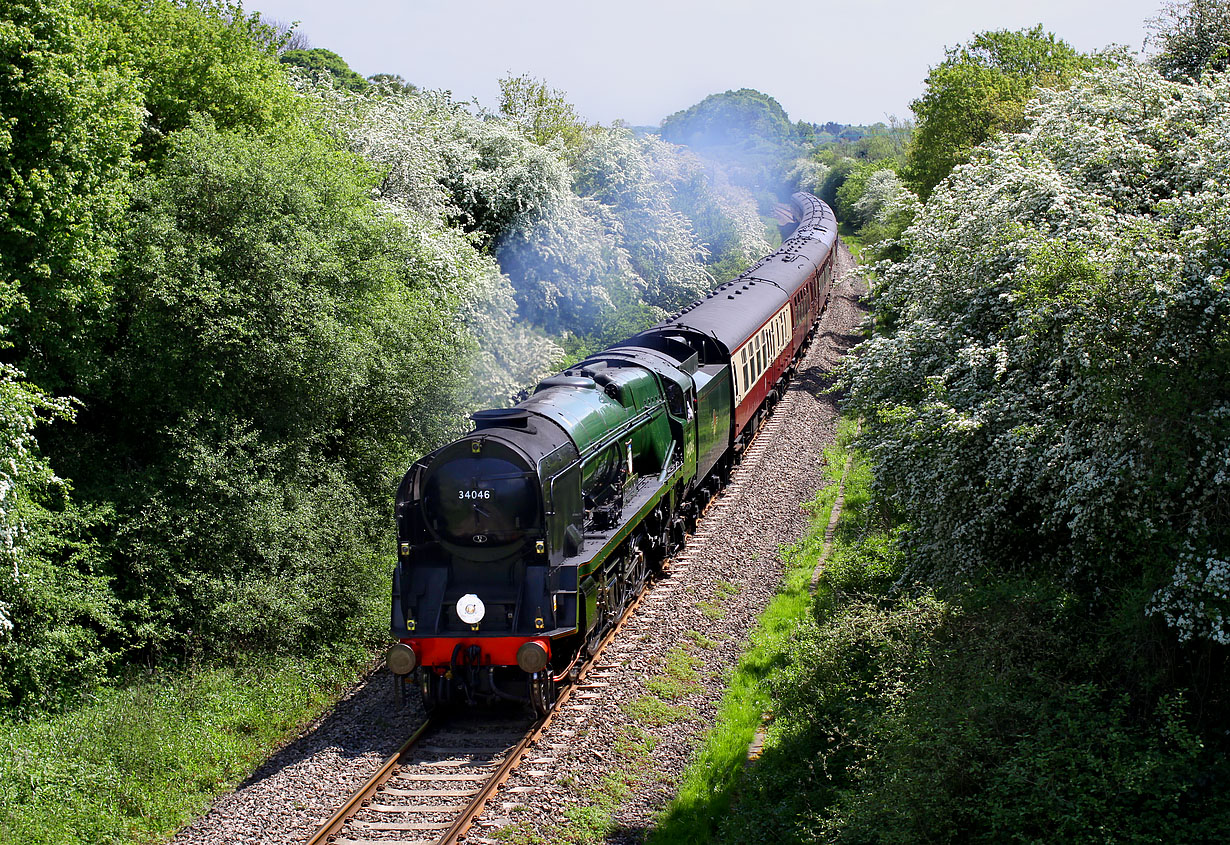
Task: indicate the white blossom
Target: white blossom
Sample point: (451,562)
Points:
(1044,390)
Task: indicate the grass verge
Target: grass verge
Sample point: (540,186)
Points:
(137,763)
(1004,708)
(711,782)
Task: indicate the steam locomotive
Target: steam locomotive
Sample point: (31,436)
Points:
(520,544)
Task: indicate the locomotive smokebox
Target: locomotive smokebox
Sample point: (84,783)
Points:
(481,499)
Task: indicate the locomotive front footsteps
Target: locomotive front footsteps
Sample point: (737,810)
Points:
(520,544)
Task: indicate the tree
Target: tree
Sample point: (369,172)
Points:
(392,83)
(1050,393)
(277,352)
(192,57)
(1194,37)
(540,113)
(747,131)
(326,63)
(67,123)
(980,90)
(733,118)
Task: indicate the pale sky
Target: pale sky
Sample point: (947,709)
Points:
(853,61)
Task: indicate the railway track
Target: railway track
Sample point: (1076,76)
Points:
(434,788)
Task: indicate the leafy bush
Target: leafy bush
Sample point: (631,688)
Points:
(999,709)
(67,123)
(976,720)
(280,363)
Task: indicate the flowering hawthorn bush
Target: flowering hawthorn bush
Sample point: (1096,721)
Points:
(1050,388)
(622,223)
(22,407)
(884,198)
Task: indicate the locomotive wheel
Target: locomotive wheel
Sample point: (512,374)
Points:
(618,597)
(542,693)
(433,688)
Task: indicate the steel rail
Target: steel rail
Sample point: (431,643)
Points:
(471,813)
(368,789)
(331,828)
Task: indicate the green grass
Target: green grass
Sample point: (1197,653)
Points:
(702,641)
(679,678)
(710,783)
(137,763)
(653,711)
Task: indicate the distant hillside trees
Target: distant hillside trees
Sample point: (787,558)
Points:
(747,131)
(981,89)
(734,118)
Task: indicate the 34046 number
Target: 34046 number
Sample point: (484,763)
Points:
(473,494)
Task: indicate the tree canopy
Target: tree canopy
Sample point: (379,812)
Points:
(326,63)
(979,90)
(1050,392)
(1194,37)
(541,113)
(747,131)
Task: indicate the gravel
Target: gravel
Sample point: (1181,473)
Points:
(717,589)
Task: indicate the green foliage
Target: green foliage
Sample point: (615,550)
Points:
(973,720)
(135,764)
(279,365)
(1000,710)
(980,90)
(67,121)
(540,113)
(319,62)
(1194,37)
(54,600)
(749,132)
(195,57)
(1050,393)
